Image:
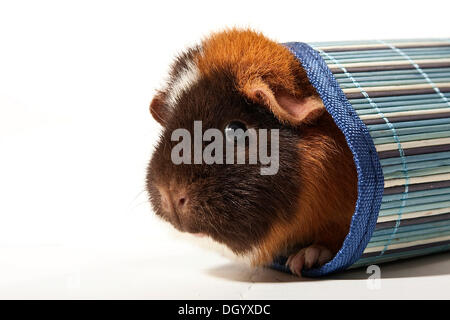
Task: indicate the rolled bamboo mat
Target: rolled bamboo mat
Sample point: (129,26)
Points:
(394,96)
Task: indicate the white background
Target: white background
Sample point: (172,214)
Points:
(76,79)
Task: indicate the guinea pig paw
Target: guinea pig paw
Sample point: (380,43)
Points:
(312,256)
(296,262)
(316,256)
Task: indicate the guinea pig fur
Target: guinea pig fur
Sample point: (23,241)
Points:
(304,210)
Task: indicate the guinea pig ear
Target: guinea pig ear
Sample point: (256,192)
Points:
(285,106)
(158,107)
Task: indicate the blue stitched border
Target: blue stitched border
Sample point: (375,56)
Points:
(370,175)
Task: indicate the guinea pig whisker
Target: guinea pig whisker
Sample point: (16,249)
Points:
(139,204)
(139,194)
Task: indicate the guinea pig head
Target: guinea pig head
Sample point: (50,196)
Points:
(234,80)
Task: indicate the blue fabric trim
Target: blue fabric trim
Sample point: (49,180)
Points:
(370,175)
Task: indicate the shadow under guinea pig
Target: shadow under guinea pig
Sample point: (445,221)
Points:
(242,272)
(431,265)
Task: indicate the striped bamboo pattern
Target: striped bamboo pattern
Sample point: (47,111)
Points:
(401,91)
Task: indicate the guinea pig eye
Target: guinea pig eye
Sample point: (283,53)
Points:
(232,130)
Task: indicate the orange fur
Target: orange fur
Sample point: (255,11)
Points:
(327,199)
(257,63)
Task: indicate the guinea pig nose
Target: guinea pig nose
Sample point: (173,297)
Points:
(173,199)
(179,199)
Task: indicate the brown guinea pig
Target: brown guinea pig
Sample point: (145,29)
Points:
(241,79)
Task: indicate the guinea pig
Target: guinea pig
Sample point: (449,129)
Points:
(239,79)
